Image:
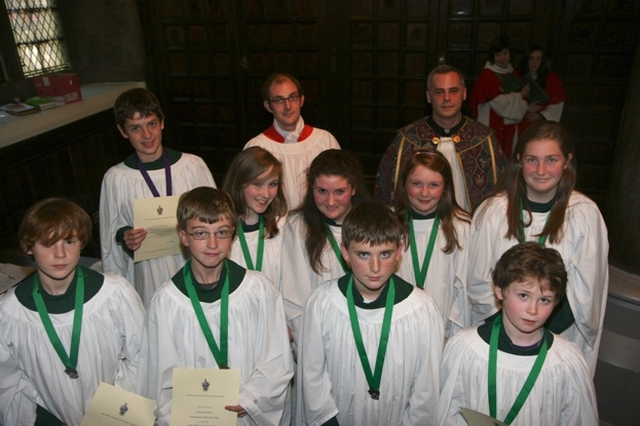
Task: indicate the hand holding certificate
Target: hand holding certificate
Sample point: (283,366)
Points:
(200,395)
(113,406)
(158,216)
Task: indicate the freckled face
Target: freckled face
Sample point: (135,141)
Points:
(525,308)
(332,196)
(57,263)
(372,265)
(542,165)
(424,189)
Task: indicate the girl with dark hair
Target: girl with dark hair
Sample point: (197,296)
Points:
(435,258)
(254,182)
(535,200)
(490,104)
(535,65)
(312,234)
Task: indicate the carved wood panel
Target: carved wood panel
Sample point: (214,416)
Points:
(209,59)
(363,64)
(385,56)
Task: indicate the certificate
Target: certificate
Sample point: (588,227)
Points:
(158,216)
(112,406)
(475,418)
(200,395)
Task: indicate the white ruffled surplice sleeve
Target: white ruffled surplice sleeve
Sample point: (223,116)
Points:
(17,394)
(484,240)
(131,313)
(296,283)
(315,403)
(158,357)
(588,275)
(264,394)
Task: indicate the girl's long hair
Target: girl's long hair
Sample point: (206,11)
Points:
(332,162)
(513,185)
(245,168)
(448,208)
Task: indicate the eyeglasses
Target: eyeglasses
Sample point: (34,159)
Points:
(205,235)
(293,98)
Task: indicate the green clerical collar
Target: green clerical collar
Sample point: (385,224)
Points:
(504,341)
(403,290)
(158,164)
(213,294)
(63,303)
(542,207)
(331,222)
(417,216)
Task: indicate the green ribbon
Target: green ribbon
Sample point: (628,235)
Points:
(373,379)
(221,354)
(245,247)
(336,249)
(420,273)
(70,361)
(493,364)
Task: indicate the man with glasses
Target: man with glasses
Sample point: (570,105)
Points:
(294,143)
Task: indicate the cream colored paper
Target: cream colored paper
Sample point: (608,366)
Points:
(113,406)
(158,216)
(475,418)
(11,275)
(200,395)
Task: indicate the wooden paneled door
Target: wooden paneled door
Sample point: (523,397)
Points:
(387,49)
(208,60)
(363,64)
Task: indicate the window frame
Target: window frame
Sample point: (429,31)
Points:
(9,55)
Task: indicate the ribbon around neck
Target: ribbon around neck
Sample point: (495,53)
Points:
(420,273)
(220,354)
(336,249)
(245,246)
(70,361)
(373,377)
(493,367)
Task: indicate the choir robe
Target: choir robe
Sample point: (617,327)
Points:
(298,278)
(562,395)
(331,379)
(496,109)
(258,345)
(584,249)
(271,255)
(295,157)
(120,186)
(446,280)
(31,371)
